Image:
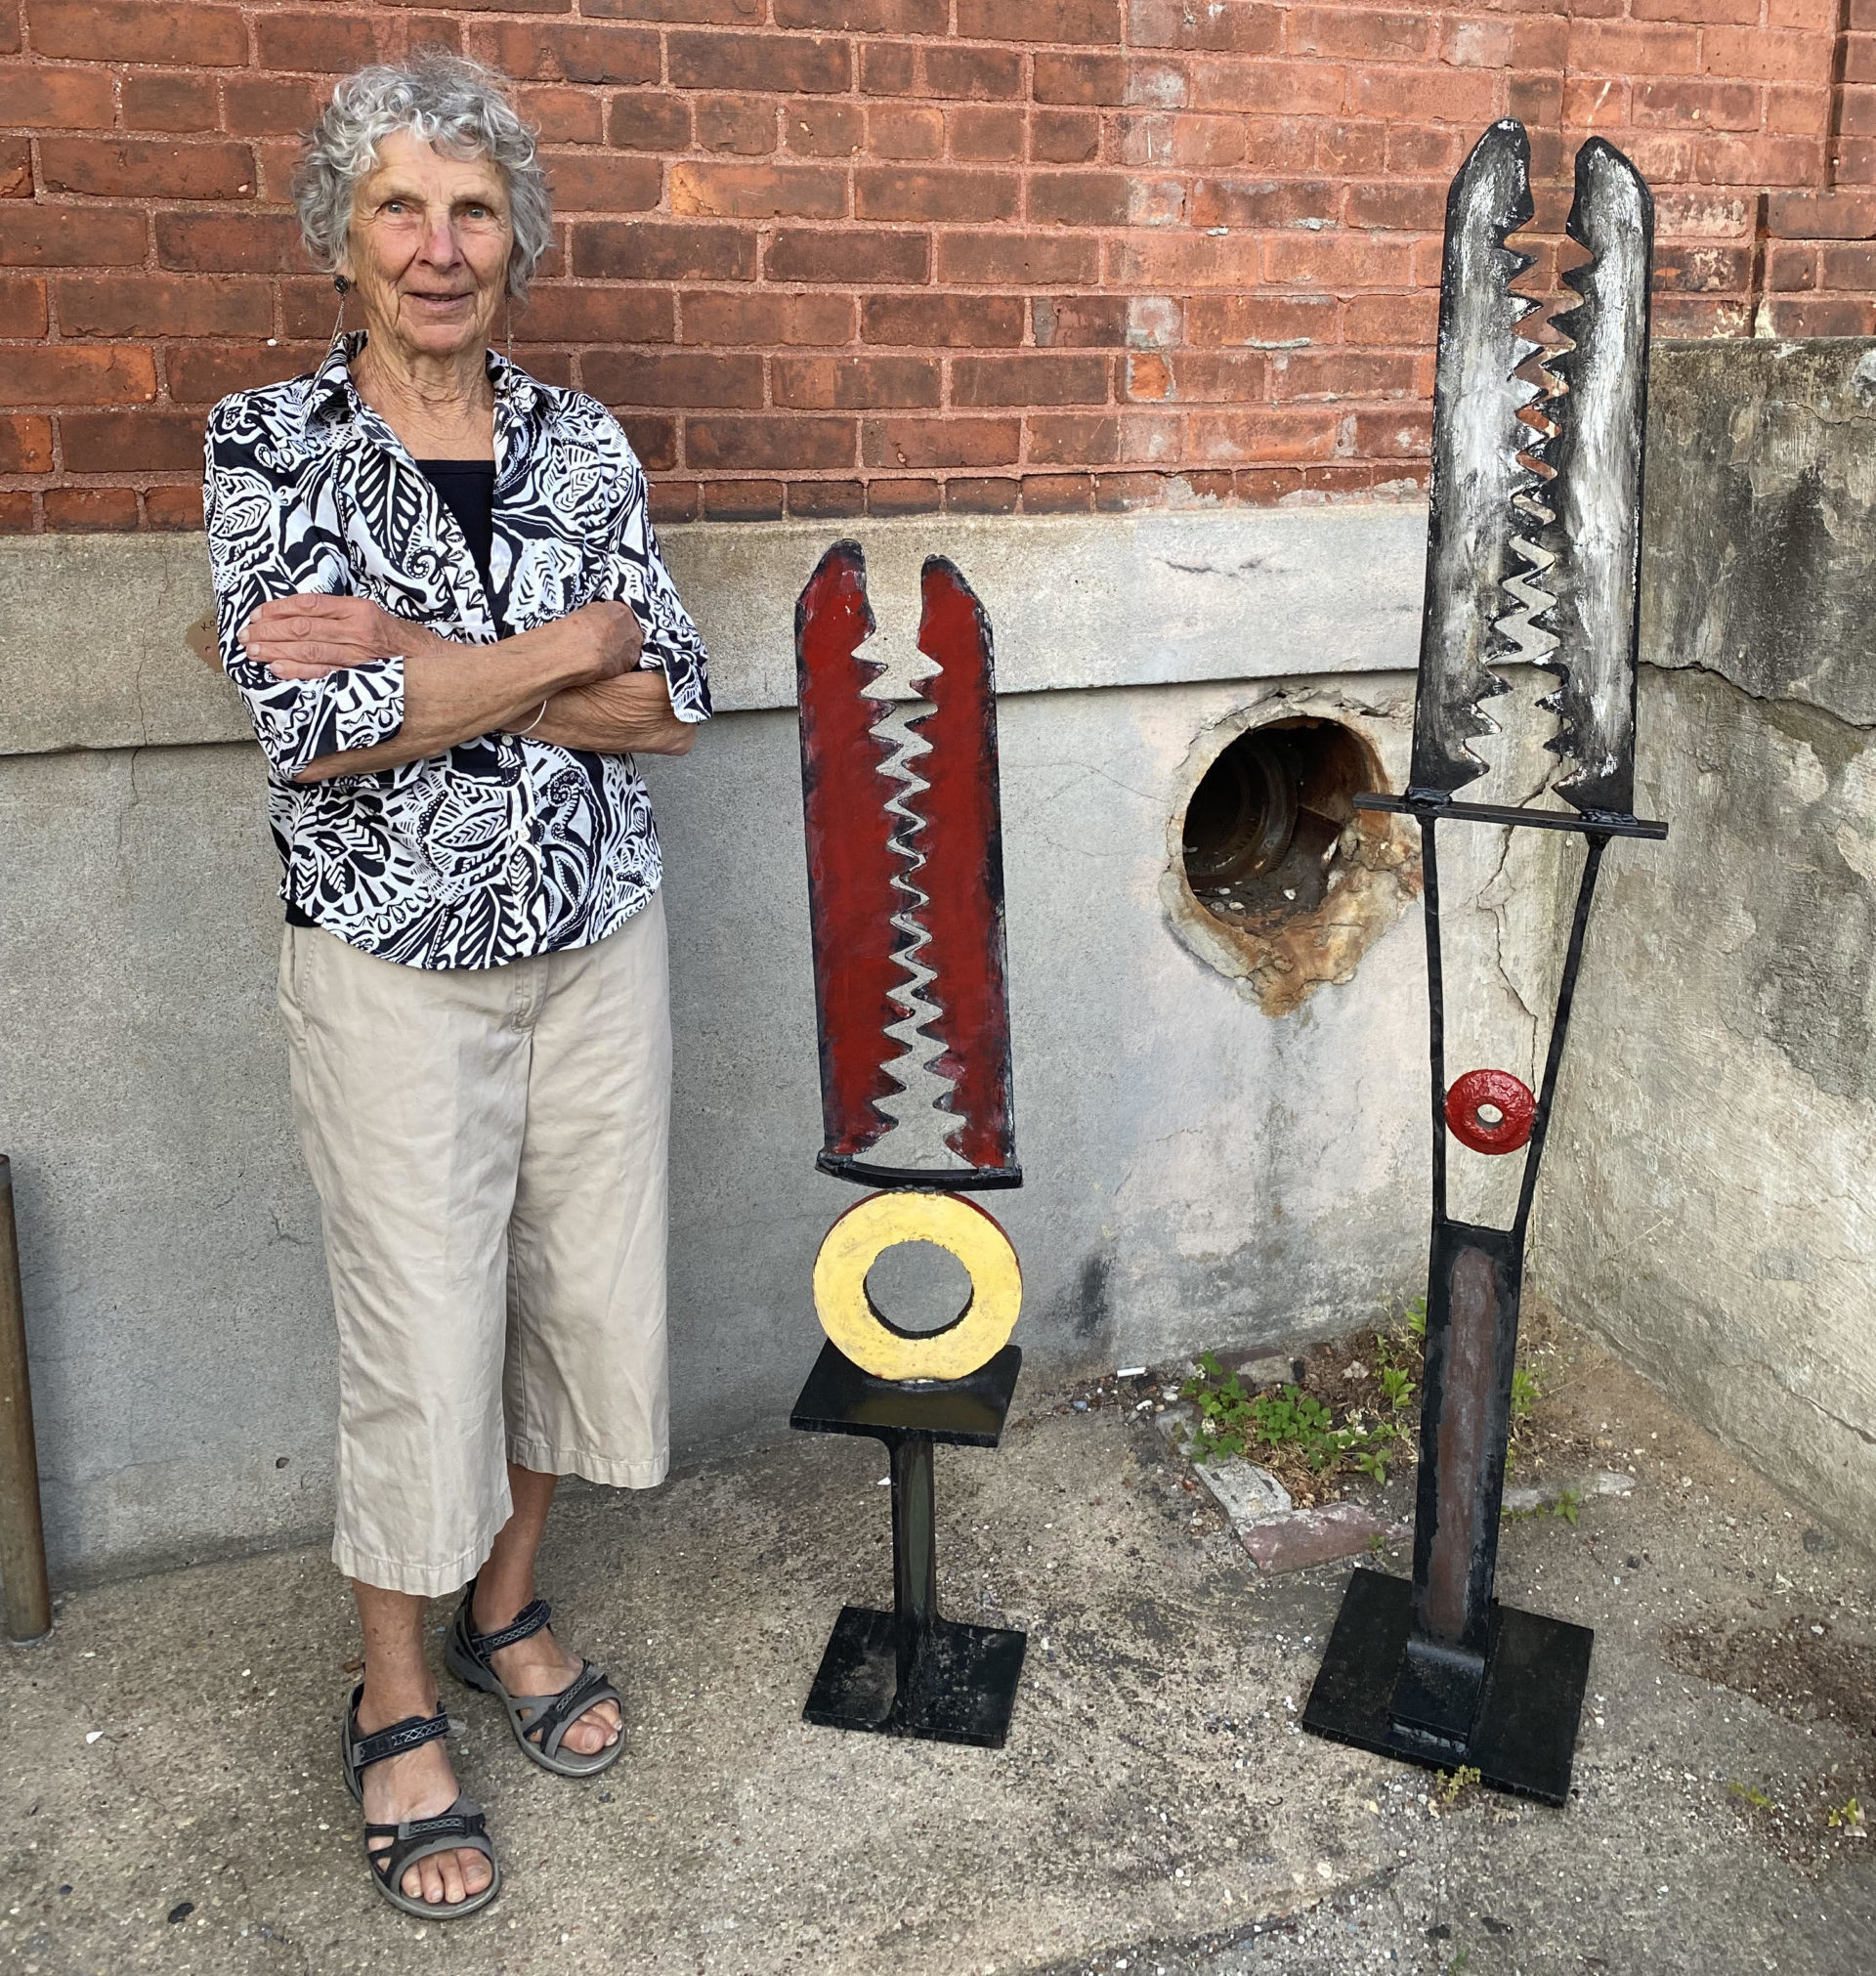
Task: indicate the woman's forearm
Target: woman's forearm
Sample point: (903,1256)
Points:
(627,716)
(453,692)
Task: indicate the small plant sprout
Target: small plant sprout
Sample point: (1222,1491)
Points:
(1566,1506)
(1845,1818)
(1750,1794)
(1453,1786)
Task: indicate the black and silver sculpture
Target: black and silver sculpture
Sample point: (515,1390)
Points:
(1533,542)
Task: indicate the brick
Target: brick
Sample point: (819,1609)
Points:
(71,237)
(1035,377)
(702,12)
(766,319)
(271,105)
(1791,265)
(533,51)
(873,254)
(165,305)
(974,497)
(1758,160)
(856,383)
(1186,261)
(1848,267)
(91,511)
(905,130)
(1275,437)
(1084,79)
(649,250)
(1683,213)
(16,168)
(58,99)
(1366,34)
(1812,316)
(132,442)
(80,374)
(1797,111)
(146,167)
(1306,88)
(924,444)
(980,74)
(1065,136)
(563,112)
(743,500)
(1339,259)
(1058,493)
(749,191)
(1678,101)
(760,61)
(22,306)
(675,378)
(888,68)
(329,42)
(484,6)
(1297,375)
(598,182)
(1068,439)
(648,120)
(867,16)
(1436,95)
(201,373)
(173,101)
(1737,13)
(564,315)
(1200,378)
(892,496)
(25,444)
(1079,322)
(243,243)
(1079,198)
(675,501)
(10,31)
(1297,1539)
(174,509)
(15,514)
(940,192)
(822,498)
(1859,55)
(1821,216)
(136,30)
(1406,434)
(1398,207)
(989,133)
(1220,29)
(652,439)
(1351,148)
(1126,493)
(824,128)
(1053,21)
(1001,258)
(1263,202)
(781,444)
(1492,44)
(1623,48)
(947,321)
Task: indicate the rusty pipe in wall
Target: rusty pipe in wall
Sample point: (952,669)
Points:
(22,1532)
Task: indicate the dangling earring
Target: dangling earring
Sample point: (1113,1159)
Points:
(344,288)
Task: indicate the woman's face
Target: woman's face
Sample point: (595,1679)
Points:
(428,248)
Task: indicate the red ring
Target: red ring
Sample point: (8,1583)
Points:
(1509,1095)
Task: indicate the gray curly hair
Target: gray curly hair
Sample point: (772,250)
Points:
(459,107)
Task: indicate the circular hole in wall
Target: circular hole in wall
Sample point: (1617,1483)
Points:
(1271,828)
(918,1287)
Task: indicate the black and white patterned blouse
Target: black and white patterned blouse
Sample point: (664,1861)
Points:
(502,846)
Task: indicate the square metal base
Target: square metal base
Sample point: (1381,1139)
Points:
(1535,1669)
(963,1689)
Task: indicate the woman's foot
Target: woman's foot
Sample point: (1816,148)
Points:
(419,1784)
(540,1665)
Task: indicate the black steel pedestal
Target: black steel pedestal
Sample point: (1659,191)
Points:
(1523,1736)
(909,1672)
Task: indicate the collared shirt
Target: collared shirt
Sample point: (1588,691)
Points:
(501,846)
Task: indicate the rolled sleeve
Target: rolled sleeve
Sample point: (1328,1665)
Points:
(267,541)
(638,577)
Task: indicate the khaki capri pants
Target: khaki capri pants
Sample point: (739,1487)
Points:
(489,1147)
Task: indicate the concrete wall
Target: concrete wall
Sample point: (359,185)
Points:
(1713,1203)
(1197,1171)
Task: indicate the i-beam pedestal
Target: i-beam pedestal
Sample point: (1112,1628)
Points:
(909,1671)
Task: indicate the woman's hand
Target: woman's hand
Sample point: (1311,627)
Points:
(308,637)
(613,635)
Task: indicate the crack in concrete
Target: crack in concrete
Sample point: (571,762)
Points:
(1765,699)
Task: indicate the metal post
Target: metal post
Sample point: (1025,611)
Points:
(22,1534)
(915,1552)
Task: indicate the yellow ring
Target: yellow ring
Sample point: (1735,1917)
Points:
(960,1227)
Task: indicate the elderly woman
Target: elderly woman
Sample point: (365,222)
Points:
(440,594)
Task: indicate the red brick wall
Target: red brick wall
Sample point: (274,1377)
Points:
(834,256)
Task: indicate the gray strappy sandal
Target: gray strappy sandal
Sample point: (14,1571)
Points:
(414,1839)
(539,1721)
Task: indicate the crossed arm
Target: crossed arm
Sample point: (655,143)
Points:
(583,665)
